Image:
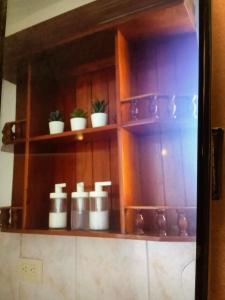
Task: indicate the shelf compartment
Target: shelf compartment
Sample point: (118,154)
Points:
(88,134)
(57,162)
(73,77)
(156,66)
(152,159)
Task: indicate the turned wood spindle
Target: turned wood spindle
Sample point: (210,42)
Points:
(161,221)
(4,217)
(182,223)
(8,136)
(139,222)
(16,218)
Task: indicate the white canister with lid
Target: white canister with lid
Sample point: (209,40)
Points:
(79,208)
(58,207)
(99,207)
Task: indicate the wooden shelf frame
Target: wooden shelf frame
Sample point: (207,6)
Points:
(124,134)
(103,234)
(145,207)
(79,135)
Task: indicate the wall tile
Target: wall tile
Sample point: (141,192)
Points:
(9,254)
(188,280)
(111,269)
(171,271)
(94,268)
(58,256)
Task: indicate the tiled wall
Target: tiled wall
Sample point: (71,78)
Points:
(98,269)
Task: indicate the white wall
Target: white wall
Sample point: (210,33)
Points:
(7,114)
(25,13)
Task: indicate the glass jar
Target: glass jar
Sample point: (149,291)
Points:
(58,207)
(58,213)
(80,213)
(99,213)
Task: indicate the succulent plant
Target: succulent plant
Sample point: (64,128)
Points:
(55,116)
(98,106)
(78,113)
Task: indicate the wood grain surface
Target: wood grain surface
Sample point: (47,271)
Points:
(217,242)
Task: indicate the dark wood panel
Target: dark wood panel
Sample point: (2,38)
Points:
(114,175)
(129,170)
(144,68)
(65,99)
(185,51)
(166,66)
(123,66)
(21,94)
(43,97)
(111,96)
(84,165)
(18,175)
(151,174)
(169,21)
(41,183)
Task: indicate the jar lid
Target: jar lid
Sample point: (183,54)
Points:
(98,194)
(79,195)
(57,195)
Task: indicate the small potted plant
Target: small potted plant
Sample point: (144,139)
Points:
(78,119)
(56,124)
(99,116)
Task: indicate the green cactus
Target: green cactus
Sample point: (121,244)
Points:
(78,113)
(98,106)
(55,116)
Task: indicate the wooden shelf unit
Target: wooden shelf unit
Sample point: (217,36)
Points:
(118,62)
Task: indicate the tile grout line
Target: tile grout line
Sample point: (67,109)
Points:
(21,238)
(148,269)
(20,255)
(76,293)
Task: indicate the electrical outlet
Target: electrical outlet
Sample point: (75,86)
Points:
(30,270)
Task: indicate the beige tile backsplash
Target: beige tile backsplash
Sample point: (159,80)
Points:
(81,268)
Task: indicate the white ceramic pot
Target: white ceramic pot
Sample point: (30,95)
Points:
(56,127)
(78,123)
(99,119)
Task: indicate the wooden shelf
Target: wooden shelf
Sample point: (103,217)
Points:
(150,125)
(145,207)
(144,126)
(103,234)
(157,95)
(139,97)
(16,142)
(88,134)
